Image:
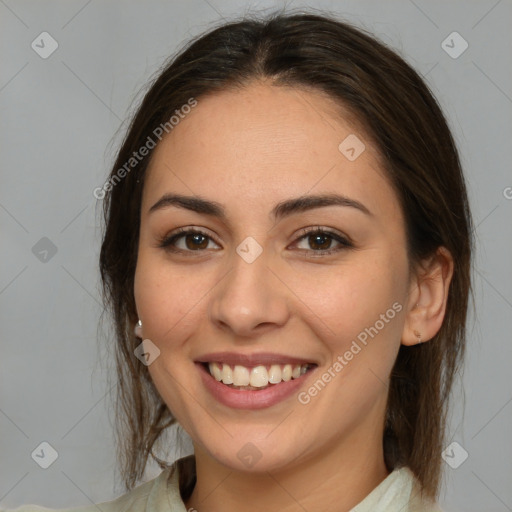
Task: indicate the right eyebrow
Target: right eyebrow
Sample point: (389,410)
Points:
(193,203)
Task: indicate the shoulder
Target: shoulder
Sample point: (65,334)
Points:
(142,498)
(399,491)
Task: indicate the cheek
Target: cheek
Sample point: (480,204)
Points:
(358,316)
(168,297)
(353,297)
(357,311)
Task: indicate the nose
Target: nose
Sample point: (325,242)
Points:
(250,299)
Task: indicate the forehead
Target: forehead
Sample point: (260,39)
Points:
(262,144)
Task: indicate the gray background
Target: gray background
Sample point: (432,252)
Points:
(59,131)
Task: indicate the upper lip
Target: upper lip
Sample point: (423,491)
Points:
(262,358)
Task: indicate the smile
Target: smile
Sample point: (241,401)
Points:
(253,386)
(258,377)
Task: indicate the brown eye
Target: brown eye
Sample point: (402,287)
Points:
(186,240)
(320,241)
(195,241)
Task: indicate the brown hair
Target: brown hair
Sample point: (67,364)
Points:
(411,134)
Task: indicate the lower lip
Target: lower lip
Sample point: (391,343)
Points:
(246,399)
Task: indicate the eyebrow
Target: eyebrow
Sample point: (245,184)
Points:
(282,209)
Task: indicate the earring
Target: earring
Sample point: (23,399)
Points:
(418,335)
(138,329)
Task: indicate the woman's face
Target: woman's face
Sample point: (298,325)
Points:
(259,290)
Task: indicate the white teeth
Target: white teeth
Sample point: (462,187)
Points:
(286,374)
(257,377)
(274,374)
(216,371)
(227,374)
(241,376)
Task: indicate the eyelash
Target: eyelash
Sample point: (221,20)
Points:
(167,241)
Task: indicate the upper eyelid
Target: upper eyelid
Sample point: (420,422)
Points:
(181,232)
(330,231)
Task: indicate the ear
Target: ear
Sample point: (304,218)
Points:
(428,295)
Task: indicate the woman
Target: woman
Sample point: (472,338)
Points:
(287,260)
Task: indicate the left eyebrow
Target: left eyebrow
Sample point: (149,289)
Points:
(304,203)
(280,210)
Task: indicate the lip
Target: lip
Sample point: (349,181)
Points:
(239,399)
(251,360)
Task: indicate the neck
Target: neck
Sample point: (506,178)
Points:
(336,479)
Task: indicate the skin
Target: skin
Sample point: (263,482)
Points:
(248,150)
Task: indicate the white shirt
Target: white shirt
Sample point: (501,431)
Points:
(398,492)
